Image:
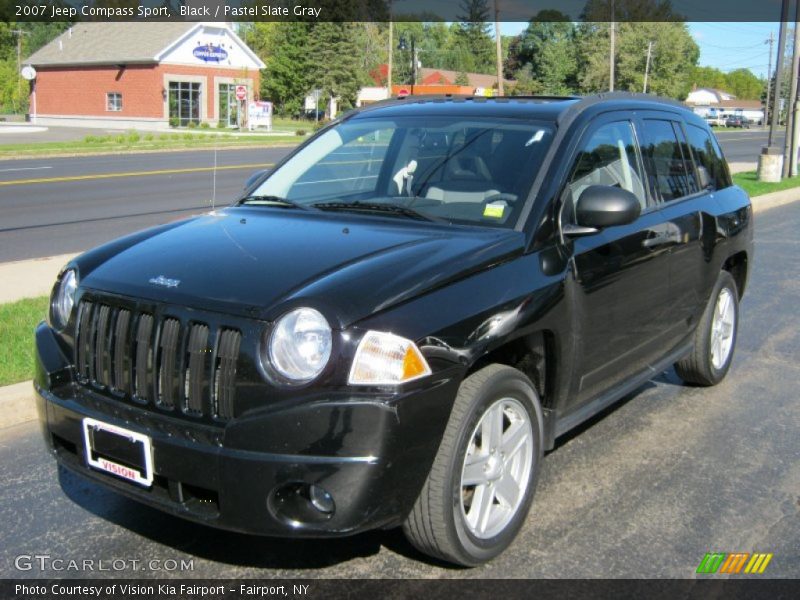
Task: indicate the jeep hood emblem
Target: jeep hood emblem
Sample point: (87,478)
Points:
(165,281)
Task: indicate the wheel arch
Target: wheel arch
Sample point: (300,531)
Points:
(532,354)
(737,265)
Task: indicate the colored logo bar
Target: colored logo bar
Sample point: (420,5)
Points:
(734,563)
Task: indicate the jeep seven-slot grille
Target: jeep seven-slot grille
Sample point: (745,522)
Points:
(157,362)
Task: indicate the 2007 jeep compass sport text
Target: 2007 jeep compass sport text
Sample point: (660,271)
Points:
(392,326)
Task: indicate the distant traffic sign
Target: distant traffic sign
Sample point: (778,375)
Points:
(241,92)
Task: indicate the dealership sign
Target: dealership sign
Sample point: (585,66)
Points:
(210,53)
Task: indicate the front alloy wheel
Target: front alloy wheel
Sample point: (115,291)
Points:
(497,468)
(481,484)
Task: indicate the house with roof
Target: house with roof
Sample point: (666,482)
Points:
(144,75)
(714,103)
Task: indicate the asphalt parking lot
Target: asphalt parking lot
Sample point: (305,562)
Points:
(644,490)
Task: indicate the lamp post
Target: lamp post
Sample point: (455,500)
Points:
(403,45)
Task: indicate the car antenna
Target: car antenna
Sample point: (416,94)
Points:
(214,180)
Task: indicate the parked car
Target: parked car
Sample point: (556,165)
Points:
(737,121)
(716,120)
(394,325)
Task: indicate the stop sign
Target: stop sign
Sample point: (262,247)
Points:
(241,92)
(403,92)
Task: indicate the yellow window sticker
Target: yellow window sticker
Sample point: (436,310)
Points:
(494,210)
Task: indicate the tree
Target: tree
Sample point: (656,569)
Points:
(743,84)
(334,68)
(461,78)
(471,41)
(547,47)
(283,46)
(674,56)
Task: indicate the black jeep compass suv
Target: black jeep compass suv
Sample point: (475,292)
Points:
(393,325)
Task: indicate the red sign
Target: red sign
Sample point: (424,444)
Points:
(241,92)
(403,92)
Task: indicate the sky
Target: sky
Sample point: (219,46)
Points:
(726,46)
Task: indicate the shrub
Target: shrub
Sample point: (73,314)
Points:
(300,132)
(133,137)
(204,125)
(90,139)
(120,139)
(188,136)
(175,136)
(149,137)
(174,122)
(192,124)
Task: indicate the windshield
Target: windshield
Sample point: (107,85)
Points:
(465,170)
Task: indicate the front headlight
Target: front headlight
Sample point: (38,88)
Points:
(386,359)
(300,345)
(64,298)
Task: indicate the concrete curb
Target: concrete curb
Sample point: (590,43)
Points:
(18,404)
(17,400)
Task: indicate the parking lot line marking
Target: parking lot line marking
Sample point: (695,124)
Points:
(133,174)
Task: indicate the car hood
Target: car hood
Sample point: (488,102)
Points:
(259,262)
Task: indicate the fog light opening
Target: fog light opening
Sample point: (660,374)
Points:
(300,504)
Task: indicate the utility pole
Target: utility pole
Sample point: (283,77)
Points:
(499,47)
(391,51)
(613,36)
(647,64)
(770,162)
(771,42)
(791,123)
(19,33)
(776,97)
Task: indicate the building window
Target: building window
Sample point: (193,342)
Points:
(184,103)
(114,101)
(228,105)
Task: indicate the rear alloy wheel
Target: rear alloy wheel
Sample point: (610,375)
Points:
(483,479)
(715,336)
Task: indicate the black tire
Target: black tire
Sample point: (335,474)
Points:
(436,525)
(697,367)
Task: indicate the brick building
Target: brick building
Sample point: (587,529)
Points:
(143,75)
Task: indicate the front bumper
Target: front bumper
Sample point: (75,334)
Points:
(371,453)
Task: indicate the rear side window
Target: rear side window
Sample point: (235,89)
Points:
(669,168)
(708,155)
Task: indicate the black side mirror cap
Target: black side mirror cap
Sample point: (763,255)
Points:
(253,178)
(602,206)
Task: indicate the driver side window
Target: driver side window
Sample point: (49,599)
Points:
(609,157)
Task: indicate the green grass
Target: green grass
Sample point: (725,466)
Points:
(132,142)
(17,321)
(749,182)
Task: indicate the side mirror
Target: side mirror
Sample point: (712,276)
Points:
(253,178)
(602,206)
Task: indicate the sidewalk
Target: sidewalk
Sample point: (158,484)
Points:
(31,278)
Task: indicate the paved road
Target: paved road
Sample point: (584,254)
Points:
(90,200)
(745,145)
(645,490)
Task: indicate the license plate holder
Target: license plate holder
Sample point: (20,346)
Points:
(118,451)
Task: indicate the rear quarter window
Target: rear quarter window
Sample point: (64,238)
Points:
(708,154)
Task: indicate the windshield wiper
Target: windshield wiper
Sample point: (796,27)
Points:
(397,209)
(266,200)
